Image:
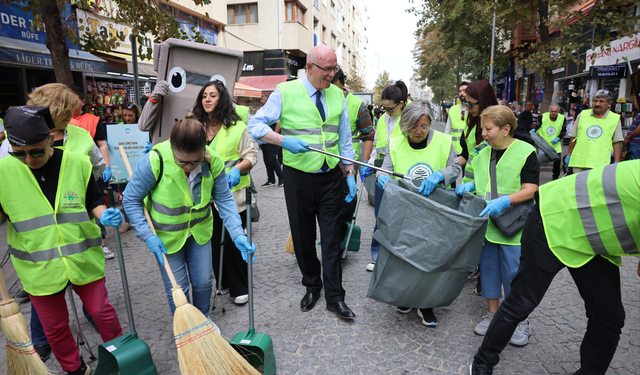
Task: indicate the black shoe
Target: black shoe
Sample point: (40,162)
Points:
(478,289)
(280,183)
(476,369)
(268,184)
(428,319)
(84,369)
(341,309)
(22,297)
(44,351)
(309,301)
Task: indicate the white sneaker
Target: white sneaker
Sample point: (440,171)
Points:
(521,335)
(107,253)
(241,300)
(371,266)
(483,326)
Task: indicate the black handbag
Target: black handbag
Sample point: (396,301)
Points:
(510,220)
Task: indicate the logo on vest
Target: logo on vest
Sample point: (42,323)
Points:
(551,130)
(70,200)
(419,172)
(594,131)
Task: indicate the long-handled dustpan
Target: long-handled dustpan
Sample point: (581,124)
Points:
(127,354)
(256,348)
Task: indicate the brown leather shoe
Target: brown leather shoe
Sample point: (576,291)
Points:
(124,228)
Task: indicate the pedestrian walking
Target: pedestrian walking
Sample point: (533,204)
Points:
(177,183)
(48,254)
(425,155)
(313,112)
(595,134)
(584,222)
(516,179)
(552,123)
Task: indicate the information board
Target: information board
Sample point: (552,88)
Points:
(133,140)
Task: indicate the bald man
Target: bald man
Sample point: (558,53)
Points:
(313,112)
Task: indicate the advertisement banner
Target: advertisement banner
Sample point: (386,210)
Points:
(133,140)
(42,60)
(610,71)
(103,26)
(17,24)
(624,47)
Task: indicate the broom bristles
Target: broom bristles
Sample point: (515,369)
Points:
(22,358)
(201,348)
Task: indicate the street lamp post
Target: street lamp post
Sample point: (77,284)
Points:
(493,42)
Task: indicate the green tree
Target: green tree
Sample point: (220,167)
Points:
(141,15)
(355,82)
(382,81)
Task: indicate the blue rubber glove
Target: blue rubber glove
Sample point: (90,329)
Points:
(382,181)
(242,243)
(233,177)
(430,183)
(147,147)
(353,189)
(154,243)
(532,131)
(112,217)
(479,147)
(555,140)
(567,159)
(365,172)
(106,175)
(495,206)
(469,186)
(294,145)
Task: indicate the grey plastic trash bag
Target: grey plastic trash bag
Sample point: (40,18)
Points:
(546,153)
(428,245)
(370,185)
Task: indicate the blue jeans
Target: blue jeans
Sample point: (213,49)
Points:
(196,259)
(634,150)
(375,246)
(498,266)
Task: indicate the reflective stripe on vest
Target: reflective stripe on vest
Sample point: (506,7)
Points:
(419,164)
(550,130)
(78,140)
(382,139)
(226,145)
(594,212)
(593,141)
(300,119)
(173,211)
(87,122)
(471,146)
(457,126)
(508,172)
(353,106)
(51,246)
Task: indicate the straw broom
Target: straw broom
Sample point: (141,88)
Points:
(201,348)
(22,358)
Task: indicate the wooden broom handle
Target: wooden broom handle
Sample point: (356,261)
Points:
(167,268)
(3,288)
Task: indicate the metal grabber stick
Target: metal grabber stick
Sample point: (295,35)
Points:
(399,175)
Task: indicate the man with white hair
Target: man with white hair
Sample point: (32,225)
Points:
(593,128)
(550,129)
(313,112)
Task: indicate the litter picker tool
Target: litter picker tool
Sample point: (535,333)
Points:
(347,244)
(218,293)
(81,340)
(127,354)
(257,348)
(201,348)
(399,175)
(22,358)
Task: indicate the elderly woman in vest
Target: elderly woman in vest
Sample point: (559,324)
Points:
(424,154)
(517,179)
(177,183)
(38,183)
(228,136)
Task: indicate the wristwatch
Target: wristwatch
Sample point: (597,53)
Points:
(350,172)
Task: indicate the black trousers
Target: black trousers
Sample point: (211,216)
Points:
(234,268)
(598,282)
(556,167)
(348,209)
(312,196)
(270,157)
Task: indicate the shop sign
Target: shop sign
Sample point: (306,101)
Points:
(610,71)
(190,24)
(559,70)
(247,68)
(105,27)
(291,61)
(17,24)
(624,47)
(37,59)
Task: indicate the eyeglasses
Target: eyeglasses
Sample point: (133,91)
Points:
(469,105)
(183,163)
(414,128)
(35,153)
(390,109)
(328,70)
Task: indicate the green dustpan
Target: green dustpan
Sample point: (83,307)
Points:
(256,348)
(354,240)
(127,354)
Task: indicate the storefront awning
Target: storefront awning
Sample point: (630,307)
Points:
(266,84)
(246,91)
(35,54)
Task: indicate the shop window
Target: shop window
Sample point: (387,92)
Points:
(244,13)
(324,35)
(294,11)
(333,9)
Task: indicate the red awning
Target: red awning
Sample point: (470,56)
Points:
(265,83)
(246,91)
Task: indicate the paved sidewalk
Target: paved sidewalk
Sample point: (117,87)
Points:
(379,340)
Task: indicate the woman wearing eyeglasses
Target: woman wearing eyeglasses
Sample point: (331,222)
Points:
(424,154)
(177,183)
(393,99)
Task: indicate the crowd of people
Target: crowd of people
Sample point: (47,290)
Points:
(194,186)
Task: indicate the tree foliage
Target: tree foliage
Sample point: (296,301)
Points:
(382,81)
(355,81)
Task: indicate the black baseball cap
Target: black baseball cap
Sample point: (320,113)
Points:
(27,125)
